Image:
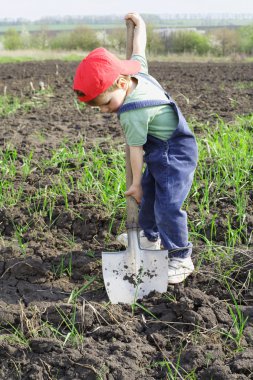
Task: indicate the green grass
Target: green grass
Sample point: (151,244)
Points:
(63,269)
(235,334)
(8,56)
(92,172)
(243,85)
(11,104)
(13,335)
(10,59)
(175,372)
(223,176)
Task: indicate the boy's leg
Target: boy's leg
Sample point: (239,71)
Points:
(166,184)
(172,187)
(171,191)
(161,210)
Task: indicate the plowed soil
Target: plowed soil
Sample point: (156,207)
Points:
(119,343)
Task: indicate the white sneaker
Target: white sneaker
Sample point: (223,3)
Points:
(179,269)
(144,242)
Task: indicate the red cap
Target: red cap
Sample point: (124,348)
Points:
(99,70)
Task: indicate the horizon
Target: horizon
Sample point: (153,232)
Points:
(32,10)
(215,15)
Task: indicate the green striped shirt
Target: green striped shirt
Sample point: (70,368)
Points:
(158,121)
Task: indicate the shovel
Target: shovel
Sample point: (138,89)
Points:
(132,274)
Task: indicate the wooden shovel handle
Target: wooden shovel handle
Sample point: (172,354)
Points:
(129,38)
(132,208)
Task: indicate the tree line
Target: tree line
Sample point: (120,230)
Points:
(196,19)
(219,41)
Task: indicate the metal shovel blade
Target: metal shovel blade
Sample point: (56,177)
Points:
(132,274)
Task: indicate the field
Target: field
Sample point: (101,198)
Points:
(62,203)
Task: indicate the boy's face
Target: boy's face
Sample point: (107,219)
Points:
(111,101)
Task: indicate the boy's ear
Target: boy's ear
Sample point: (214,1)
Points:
(122,83)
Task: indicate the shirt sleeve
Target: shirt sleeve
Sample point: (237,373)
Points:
(143,61)
(135,126)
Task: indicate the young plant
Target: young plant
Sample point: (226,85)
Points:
(174,371)
(72,334)
(27,165)
(13,334)
(62,269)
(77,292)
(235,333)
(19,234)
(139,305)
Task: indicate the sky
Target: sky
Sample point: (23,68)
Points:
(36,9)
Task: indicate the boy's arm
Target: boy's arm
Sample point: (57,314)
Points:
(136,152)
(136,160)
(140,36)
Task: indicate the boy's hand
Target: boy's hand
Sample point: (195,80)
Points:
(140,37)
(136,192)
(136,18)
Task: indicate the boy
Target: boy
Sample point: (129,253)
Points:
(152,124)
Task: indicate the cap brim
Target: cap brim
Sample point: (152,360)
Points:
(130,67)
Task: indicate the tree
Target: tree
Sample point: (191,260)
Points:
(60,42)
(12,40)
(117,39)
(155,43)
(246,39)
(40,40)
(82,37)
(189,42)
(226,41)
(25,38)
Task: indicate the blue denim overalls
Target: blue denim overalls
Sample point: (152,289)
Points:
(166,181)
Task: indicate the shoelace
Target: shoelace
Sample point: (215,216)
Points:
(177,262)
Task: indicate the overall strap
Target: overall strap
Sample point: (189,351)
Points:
(146,103)
(142,104)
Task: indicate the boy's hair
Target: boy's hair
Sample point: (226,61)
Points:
(99,71)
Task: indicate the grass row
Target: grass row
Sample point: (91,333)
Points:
(10,104)
(223,180)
